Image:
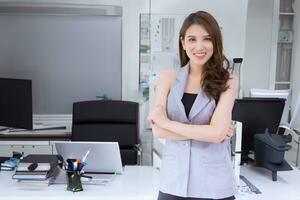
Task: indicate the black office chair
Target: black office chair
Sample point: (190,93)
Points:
(108,120)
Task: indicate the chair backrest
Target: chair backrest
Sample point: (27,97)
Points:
(106,120)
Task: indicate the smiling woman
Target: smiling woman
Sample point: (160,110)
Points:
(202,35)
(192,111)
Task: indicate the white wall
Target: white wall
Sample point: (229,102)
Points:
(130,38)
(256,67)
(295,76)
(130,47)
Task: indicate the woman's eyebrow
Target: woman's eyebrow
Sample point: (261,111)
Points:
(189,36)
(193,36)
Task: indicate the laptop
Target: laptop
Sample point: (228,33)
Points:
(104,157)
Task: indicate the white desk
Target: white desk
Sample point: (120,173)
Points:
(138,183)
(286,187)
(141,183)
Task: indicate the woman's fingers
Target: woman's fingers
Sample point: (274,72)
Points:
(230,131)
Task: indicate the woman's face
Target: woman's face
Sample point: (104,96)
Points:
(198,45)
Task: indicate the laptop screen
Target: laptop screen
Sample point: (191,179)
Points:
(104,157)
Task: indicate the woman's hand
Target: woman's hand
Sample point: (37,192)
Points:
(158,116)
(230,132)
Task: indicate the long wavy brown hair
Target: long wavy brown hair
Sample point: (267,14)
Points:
(214,75)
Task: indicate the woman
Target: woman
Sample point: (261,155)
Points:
(192,111)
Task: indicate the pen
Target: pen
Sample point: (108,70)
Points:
(85,176)
(86,154)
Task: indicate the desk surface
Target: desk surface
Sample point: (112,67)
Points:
(135,183)
(141,183)
(286,187)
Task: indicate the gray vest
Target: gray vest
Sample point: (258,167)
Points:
(192,168)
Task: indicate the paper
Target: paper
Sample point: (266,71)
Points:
(29,177)
(98,179)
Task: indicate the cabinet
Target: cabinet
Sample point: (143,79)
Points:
(283,46)
(25,147)
(31,142)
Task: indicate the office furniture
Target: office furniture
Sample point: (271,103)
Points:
(31,142)
(109,121)
(286,186)
(296,139)
(256,115)
(235,69)
(142,183)
(287,123)
(290,128)
(136,183)
(236,147)
(269,153)
(282,51)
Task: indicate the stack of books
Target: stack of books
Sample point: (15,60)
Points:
(36,167)
(24,171)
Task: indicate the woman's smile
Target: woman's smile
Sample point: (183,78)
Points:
(200,56)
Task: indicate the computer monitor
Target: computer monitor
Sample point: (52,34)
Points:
(283,94)
(15,103)
(256,115)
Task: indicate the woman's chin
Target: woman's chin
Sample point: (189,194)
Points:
(199,62)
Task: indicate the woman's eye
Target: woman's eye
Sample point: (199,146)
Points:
(191,39)
(208,39)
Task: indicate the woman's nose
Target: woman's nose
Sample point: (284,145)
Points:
(200,45)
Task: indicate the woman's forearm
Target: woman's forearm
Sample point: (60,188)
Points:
(206,133)
(166,134)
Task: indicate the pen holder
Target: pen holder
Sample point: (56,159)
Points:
(73,176)
(73,181)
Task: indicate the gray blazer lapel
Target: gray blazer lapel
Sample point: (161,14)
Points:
(200,103)
(179,86)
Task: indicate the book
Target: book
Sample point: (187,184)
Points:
(29,177)
(39,173)
(6,168)
(8,164)
(45,165)
(23,166)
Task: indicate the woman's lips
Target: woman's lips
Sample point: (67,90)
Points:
(200,55)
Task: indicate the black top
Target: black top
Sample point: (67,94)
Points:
(188,101)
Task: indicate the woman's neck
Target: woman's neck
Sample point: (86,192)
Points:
(195,70)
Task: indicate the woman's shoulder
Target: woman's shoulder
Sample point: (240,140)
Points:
(166,77)
(168,74)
